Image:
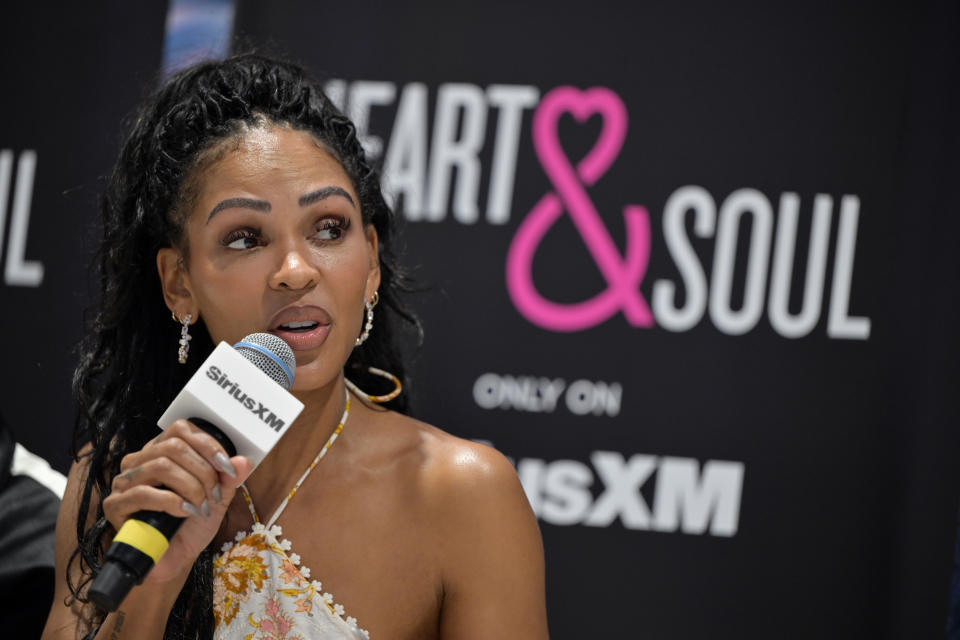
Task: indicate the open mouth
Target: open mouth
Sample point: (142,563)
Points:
(298,327)
(302,327)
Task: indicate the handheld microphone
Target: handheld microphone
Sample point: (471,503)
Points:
(240,396)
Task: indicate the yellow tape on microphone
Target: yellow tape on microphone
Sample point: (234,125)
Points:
(143,537)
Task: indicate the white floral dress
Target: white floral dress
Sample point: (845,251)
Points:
(260,590)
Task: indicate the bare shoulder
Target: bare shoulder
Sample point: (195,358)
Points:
(484,534)
(452,469)
(468,491)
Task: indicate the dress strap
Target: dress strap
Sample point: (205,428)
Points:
(323,451)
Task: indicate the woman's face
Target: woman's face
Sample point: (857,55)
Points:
(277,244)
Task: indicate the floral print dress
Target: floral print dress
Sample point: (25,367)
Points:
(262,592)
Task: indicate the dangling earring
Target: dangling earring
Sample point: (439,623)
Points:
(369,304)
(185,337)
(378,399)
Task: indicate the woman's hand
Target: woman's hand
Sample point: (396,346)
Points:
(184,472)
(179,466)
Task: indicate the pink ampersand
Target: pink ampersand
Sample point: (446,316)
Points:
(623,274)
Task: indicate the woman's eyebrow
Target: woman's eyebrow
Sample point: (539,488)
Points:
(322,194)
(240,203)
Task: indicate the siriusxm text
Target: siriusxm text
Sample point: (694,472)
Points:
(687,496)
(233,389)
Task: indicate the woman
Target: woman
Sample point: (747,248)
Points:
(242,202)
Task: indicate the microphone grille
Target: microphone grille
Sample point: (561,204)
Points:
(271,355)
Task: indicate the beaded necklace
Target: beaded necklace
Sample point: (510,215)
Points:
(323,452)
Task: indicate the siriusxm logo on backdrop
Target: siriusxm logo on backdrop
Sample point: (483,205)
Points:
(686,496)
(421,165)
(234,391)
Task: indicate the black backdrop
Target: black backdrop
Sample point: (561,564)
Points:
(694,474)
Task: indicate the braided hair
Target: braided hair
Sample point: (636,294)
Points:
(126,371)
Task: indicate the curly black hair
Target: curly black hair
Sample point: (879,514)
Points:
(127,371)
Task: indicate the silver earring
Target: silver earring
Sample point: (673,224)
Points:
(369,304)
(185,338)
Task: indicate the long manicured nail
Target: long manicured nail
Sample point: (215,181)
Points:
(192,510)
(224,464)
(205,510)
(217,494)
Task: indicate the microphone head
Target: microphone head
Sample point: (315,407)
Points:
(271,355)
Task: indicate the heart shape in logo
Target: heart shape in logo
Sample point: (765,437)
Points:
(581,105)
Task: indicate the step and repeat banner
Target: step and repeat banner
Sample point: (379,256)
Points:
(692,267)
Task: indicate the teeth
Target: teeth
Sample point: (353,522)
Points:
(298,325)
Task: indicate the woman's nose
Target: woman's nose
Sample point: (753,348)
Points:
(295,271)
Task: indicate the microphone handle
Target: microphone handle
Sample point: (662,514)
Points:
(140,543)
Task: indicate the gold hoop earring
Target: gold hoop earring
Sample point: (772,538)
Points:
(369,305)
(185,337)
(398,387)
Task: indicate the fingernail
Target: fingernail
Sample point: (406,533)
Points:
(205,510)
(224,464)
(192,510)
(217,494)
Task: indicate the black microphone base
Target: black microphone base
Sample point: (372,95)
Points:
(127,562)
(111,586)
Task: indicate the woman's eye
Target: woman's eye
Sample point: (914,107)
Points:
(242,239)
(332,229)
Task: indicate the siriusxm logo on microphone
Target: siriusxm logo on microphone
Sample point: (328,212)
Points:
(244,389)
(234,390)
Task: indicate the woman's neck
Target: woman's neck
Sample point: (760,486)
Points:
(303,440)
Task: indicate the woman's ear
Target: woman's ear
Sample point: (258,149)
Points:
(175,283)
(373,276)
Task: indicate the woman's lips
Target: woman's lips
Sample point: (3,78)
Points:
(304,340)
(297,338)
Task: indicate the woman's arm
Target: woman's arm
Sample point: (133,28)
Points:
(493,580)
(177,467)
(137,617)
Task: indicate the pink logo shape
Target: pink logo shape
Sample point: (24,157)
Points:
(623,274)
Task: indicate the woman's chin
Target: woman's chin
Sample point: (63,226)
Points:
(310,378)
